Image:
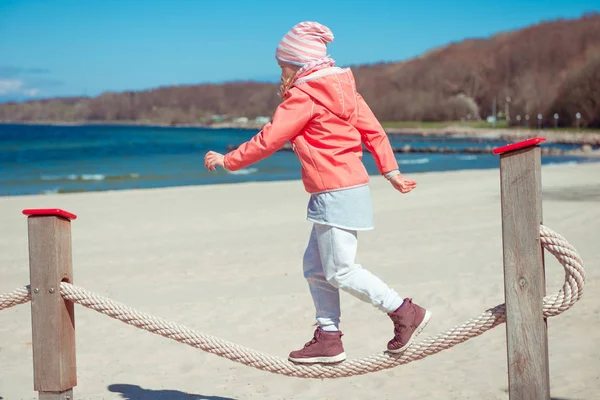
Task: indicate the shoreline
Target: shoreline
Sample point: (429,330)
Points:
(515,134)
(412,153)
(585,151)
(552,135)
(192,186)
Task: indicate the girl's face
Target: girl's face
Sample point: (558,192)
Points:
(288,71)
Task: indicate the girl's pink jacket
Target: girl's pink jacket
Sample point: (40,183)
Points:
(326,121)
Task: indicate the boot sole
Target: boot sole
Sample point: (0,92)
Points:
(319,360)
(421,326)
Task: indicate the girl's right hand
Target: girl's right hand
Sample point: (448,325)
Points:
(212,159)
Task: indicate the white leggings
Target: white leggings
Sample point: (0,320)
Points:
(329,265)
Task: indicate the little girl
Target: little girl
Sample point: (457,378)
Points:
(327,121)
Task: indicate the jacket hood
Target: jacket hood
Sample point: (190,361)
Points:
(334,88)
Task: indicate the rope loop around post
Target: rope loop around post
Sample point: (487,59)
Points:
(571,292)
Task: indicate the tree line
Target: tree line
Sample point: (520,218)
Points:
(551,68)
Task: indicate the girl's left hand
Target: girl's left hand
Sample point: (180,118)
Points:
(212,159)
(402,184)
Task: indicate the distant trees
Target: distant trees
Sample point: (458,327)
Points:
(579,93)
(549,68)
(528,66)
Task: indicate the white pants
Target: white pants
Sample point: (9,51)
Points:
(329,265)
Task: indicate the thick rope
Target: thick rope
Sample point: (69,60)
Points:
(14,298)
(571,291)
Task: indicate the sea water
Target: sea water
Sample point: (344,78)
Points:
(38,159)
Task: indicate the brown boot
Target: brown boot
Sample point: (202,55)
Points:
(409,320)
(325,347)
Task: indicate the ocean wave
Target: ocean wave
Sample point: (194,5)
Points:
(88,177)
(59,190)
(467,158)
(244,171)
(558,164)
(415,161)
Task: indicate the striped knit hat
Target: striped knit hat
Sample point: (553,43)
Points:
(305,43)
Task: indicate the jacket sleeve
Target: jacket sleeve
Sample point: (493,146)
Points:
(289,119)
(374,137)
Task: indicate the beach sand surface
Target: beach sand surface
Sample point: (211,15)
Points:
(226,260)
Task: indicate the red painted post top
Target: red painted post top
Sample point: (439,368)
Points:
(50,211)
(518,145)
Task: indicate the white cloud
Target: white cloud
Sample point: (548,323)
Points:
(22,83)
(17,87)
(8,86)
(31,92)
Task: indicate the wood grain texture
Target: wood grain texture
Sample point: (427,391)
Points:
(524,275)
(52,318)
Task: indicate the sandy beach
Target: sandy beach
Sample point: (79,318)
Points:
(226,260)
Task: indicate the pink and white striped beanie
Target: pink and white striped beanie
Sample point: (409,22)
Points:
(306,45)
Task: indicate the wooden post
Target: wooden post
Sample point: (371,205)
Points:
(524,274)
(52,318)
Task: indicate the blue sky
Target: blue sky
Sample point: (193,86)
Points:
(86,47)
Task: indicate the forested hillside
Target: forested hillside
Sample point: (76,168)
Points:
(552,67)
